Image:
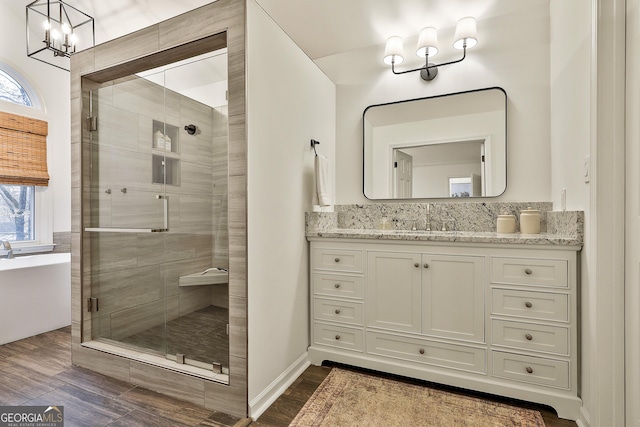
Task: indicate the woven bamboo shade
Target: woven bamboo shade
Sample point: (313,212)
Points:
(23,150)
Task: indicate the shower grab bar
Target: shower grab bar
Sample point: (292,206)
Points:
(165,206)
(125,230)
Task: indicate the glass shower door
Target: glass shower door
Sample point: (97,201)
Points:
(158,222)
(129,216)
(196,282)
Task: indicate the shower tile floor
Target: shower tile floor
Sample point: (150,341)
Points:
(201,335)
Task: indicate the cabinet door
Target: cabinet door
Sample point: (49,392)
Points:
(453,296)
(393,290)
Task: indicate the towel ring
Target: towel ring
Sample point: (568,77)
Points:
(313,144)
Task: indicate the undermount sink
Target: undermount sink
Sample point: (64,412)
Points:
(211,276)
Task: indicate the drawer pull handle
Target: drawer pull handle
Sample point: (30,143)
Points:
(337,311)
(421,351)
(529,337)
(426,265)
(529,370)
(337,260)
(528,304)
(337,285)
(337,337)
(416,265)
(528,271)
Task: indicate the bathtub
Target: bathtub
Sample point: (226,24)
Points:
(35,295)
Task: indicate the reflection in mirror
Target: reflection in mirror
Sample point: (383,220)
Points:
(451,145)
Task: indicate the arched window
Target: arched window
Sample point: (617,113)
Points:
(17,195)
(12,91)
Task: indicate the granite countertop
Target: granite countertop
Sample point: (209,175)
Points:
(476,222)
(447,236)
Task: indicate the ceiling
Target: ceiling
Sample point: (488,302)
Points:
(321,28)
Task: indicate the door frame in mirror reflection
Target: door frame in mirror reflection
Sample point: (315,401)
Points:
(459,135)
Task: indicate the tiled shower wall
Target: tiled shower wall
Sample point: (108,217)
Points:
(129,270)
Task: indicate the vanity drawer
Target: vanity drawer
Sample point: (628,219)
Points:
(534,370)
(338,336)
(533,305)
(529,336)
(337,285)
(529,271)
(435,353)
(338,311)
(338,260)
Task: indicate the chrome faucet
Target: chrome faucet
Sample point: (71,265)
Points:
(444,224)
(7,246)
(428,227)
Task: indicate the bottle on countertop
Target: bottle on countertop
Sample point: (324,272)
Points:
(384,223)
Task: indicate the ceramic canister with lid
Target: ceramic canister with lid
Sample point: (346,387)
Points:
(506,223)
(530,221)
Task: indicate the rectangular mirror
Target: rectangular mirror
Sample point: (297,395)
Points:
(452,145)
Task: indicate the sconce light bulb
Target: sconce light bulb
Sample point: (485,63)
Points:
(427,42)
(65,28)
(466,32)
(46,25)
(74,39)
(55,34)
(394,51)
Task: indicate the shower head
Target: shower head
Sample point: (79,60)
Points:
(191,129)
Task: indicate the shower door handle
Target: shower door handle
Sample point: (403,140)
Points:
(165,220)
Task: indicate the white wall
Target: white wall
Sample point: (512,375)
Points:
(52,87)
(512,52)
(570,144)
(289,102)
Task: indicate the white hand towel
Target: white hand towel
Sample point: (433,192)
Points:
(322,181)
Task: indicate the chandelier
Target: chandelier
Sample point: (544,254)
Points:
(57,30)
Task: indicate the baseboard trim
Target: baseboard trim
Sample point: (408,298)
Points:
(583,420)
(269,395)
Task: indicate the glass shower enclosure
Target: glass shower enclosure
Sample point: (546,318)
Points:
(157,225)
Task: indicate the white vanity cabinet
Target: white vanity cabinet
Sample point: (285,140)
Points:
(338,297)
(494,318)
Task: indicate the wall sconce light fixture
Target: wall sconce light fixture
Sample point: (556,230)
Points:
(465,38)
(55,26)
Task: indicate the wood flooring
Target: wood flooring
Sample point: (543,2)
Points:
(38,371)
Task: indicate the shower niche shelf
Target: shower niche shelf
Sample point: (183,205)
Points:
(159,143)
(165,158)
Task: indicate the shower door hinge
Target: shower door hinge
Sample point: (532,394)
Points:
(92,304)
(227,329)
(92,123)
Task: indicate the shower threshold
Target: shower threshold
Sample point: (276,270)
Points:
(132,353)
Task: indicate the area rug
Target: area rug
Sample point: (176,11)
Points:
(347,398)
